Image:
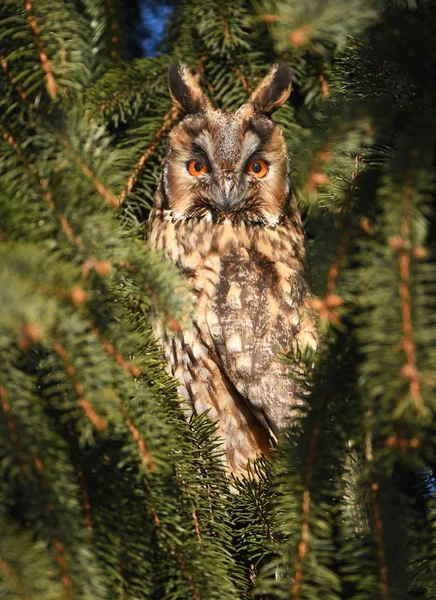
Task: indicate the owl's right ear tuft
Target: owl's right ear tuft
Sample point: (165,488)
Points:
(185,92)
(273,91)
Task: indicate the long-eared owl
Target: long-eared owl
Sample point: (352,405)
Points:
(224,213)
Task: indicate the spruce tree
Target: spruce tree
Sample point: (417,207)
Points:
(106,490)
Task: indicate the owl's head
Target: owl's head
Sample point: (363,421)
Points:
(227,165)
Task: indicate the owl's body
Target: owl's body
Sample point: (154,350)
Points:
(236,234)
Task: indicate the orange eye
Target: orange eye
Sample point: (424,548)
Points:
(196,168)
(258,168)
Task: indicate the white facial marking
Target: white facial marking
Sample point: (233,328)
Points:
(227,186)
(249,145)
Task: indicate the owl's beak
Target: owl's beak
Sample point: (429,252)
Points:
(227,196)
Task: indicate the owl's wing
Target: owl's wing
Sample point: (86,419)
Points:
(261,308)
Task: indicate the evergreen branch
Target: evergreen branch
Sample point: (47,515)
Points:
(194,513)
(197,526)
(138,439)
(341,139)
(43,184)
(128,366)
(106,194)
(67,228)
(334,268)
(76,295)
(114,36)
(327,306)
(410,370)
(153,510)
(117,98)
(321,78)
(376,515)
(129,89)
(60,551)
(102,267)
(168,121)
(16,147)
(188,576)
(376,77)
(22,94)
(85,404)
(83,487)
(172,324)
(6,407)
(156,518)
(305,535)
(316,25)
(10,575)
(242,79)
(379,539)
(45,62)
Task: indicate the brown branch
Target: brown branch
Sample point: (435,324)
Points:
(273,18)
(334,268)
(114,30)
(62,219)
(305,535)
(178,558)
(269,18)
(154,514)
(327,306)
(13,80)
(79,296)
(89,411)
(11,426)
(321,78)
(134,431)
(153,510)
(376,513)
(197,526)
(129,367)
(45,62)
(379,540)
(43,183)
(410,370)
(242,79)
(16,147)
(300,36)
(331,301)
(116,97)
(83,489)
(168,121)
(194,515)
(106,194)
(9,574)
(316,177)
(102,267)
(66,580)
(227,33)
(188,576)
(380,67)
(76,295)
(172,324)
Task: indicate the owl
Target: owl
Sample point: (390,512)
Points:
(225,215)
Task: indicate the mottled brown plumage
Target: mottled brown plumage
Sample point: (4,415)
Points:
(224,214)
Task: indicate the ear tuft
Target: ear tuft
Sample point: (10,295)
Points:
(185,91)
(273,91)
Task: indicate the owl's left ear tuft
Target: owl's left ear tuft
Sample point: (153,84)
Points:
(273,91)
(185,92)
